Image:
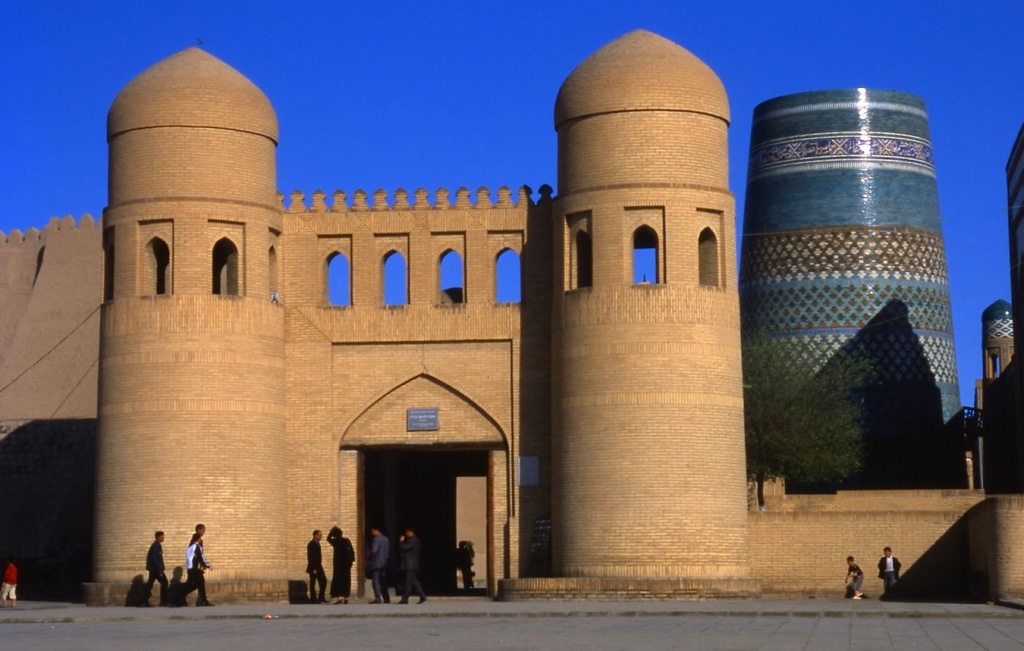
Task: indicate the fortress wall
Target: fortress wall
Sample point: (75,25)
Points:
(49,332)
(800,543)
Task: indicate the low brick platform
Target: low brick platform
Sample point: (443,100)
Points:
(219,592)
(617,589)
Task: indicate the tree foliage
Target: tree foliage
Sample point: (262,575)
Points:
(802,412)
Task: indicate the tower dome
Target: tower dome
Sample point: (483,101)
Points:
(998,313)
(641,71)
(192,126)
(192,89)
(641,111)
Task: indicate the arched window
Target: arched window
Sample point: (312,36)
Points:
(645,256)
(339,280)
(584,261)
(707,255)
(452,287)
(225,268)
(272,268)
(508,277)
(108,263)
(158,268)
(396,280)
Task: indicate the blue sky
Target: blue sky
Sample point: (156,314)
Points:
(448,94)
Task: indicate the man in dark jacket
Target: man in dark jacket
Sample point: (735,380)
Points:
(315,569)
(377,564)
(889,568)
(155,567)
(409,546)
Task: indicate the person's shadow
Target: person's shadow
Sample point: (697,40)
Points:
(136,596)
(176,588)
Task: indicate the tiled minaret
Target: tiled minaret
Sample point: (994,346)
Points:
(843,247)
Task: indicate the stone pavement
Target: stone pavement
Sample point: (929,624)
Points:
(449,623)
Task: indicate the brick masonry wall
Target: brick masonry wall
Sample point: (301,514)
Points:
(800,543)
(995,558)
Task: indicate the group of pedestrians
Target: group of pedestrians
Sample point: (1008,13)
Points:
(344,557)
(888,571)
(341,580)
(378,556)
(196,567)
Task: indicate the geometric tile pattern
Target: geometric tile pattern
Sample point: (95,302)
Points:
(998,329)
(822,305)
(901,350)
(844,253)
(827,284)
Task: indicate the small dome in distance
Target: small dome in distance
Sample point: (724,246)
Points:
(998,311)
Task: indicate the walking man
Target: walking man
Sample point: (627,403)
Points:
(409,546)
(377,563)
(155,567)
(196,566)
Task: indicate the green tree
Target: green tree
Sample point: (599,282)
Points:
(802,412)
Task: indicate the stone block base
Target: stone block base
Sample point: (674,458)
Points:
(219,592)
(613,589)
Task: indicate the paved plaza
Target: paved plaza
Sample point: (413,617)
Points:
(450,624)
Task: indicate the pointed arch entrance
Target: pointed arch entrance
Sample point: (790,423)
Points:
(446,480)
(442,496)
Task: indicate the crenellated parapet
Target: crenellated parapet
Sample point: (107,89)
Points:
(17,238)
(67,224)
(362,201)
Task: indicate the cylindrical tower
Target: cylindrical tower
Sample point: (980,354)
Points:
(191,405)
(997,338)
(843,247)
(648,448)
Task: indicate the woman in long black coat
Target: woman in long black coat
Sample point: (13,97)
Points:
(344,556)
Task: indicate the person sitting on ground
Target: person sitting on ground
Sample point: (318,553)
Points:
(854,579)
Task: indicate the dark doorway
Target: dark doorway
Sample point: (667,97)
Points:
(418,489)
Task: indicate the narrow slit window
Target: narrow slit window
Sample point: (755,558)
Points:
(584,261)
(707,254)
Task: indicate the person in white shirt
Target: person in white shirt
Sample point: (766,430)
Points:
(889,568)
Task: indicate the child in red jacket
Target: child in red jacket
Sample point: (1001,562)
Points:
(10,585)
